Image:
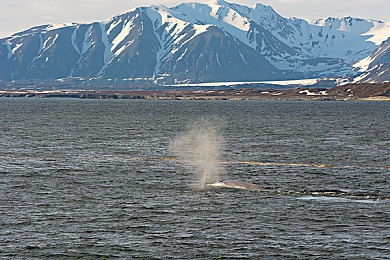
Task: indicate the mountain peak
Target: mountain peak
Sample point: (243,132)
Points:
(265,9)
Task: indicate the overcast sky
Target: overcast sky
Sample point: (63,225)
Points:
(17,15)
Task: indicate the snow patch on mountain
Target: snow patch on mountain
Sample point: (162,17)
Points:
(88,42)
(107,47)
(365,76)
(379,33)
(170,32)
(223,11)
(17,46)
(49,42)
(302,82)
(57,26)
(217,13)
(124,32)
(342,38)
(73,40)
(364,64)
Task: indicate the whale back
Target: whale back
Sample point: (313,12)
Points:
(238,185)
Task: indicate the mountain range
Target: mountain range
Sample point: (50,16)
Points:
(195,42)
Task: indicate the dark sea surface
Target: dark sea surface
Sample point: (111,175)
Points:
(95,179)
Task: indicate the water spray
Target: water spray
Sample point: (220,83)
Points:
(200,148)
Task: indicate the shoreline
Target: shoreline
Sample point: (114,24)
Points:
(298,94)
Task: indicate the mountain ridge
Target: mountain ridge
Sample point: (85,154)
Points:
(193,42)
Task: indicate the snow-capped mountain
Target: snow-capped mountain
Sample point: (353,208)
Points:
(193,42)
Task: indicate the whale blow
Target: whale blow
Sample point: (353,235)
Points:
(200,148)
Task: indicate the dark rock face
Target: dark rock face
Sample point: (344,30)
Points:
(215,56)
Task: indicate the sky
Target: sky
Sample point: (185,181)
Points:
(18,15)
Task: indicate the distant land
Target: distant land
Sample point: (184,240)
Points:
(364,91)
(157,47)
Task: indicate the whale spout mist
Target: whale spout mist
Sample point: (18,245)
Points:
(200,148)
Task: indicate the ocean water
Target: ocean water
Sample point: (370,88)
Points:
(98,179)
